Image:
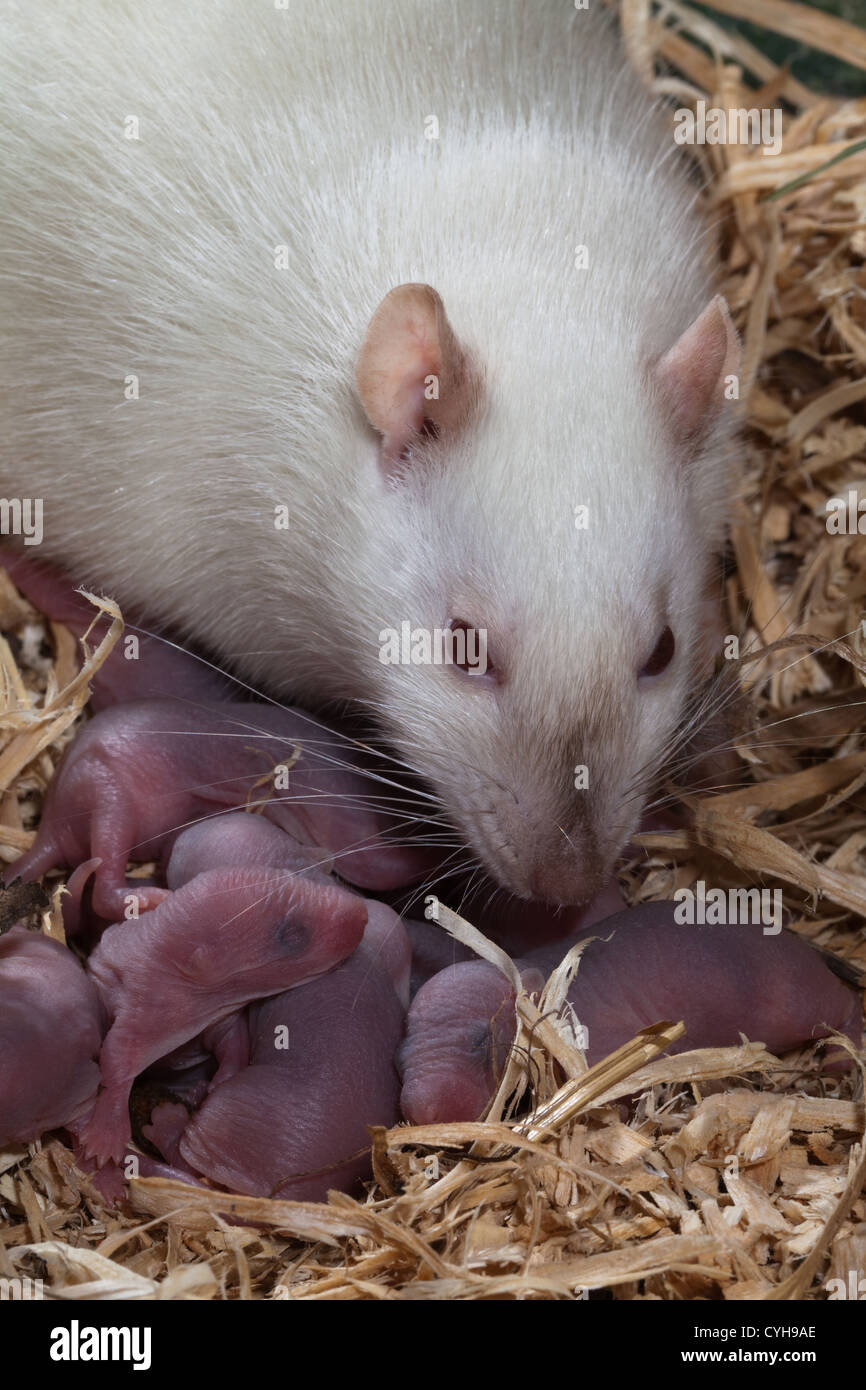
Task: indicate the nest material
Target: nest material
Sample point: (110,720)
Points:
(737,1175)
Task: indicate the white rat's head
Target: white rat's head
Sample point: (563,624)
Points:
(581,551)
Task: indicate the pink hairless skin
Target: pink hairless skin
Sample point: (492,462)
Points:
(300,1076)
(293,1121)
(51,1027)
(139,773)
(226,937)
(642,966)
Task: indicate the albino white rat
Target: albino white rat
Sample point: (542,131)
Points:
(244,243)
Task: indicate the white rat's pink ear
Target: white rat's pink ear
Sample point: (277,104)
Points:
(693,374)
(411,368)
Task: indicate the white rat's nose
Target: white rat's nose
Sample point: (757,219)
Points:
(571,873)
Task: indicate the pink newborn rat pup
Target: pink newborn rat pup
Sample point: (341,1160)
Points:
(293,1121)
(228,936)
(51,1027)
(139,773)
(642,968)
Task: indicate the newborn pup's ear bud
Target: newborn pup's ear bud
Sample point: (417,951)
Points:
(692,375)
(412,373)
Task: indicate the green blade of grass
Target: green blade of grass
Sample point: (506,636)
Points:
(813,173)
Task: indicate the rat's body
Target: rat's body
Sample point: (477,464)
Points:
(305,129)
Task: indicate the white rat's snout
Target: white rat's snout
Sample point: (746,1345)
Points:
(566,867)
(534,843)
(546,844)
(554,864)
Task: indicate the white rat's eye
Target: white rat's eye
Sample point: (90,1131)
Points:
(661,656)
(469,651)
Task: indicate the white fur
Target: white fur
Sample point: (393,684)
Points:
(304,127)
